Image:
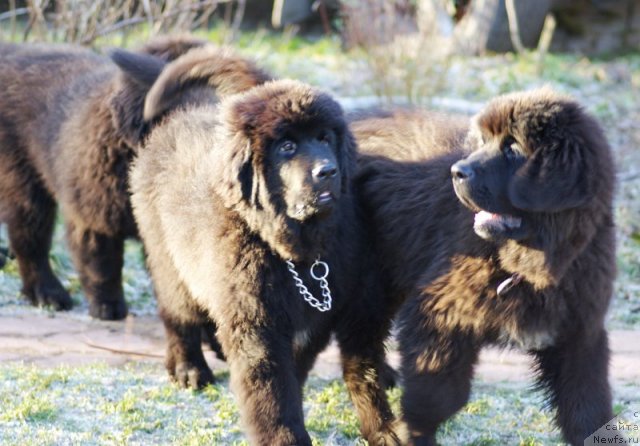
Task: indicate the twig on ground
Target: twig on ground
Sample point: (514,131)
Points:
(91,344)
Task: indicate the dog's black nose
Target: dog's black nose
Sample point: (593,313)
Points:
(461,171)
(325,170)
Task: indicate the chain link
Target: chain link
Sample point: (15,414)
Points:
(323,306)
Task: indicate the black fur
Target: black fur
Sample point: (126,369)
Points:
(533,269)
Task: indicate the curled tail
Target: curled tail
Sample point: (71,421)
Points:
(163,75)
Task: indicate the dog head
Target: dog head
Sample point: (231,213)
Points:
(532,153)
(289,150)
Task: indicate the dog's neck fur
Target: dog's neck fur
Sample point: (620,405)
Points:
(288,238)
(540,261)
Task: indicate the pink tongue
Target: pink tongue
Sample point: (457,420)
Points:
(484,217)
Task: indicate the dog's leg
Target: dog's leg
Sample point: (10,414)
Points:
(209,337)
(437,369)
(99,259)
(362,359)
(184,323)
(185,361)
(388,375)
(306,352)
(263,378)
(575,375)
(30,228)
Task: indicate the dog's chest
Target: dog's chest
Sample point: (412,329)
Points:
(308,325)
(527,338)
(301,338)
(531,326)
(311,306)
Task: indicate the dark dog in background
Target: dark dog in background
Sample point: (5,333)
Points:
(230,200)
(513,245)
(71,122)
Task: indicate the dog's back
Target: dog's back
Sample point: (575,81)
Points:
(41,84)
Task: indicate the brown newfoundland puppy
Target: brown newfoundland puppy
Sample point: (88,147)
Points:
(248,219)
(511,245)
(70,122)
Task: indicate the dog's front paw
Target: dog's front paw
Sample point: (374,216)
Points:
(50,294)
(188,375)
(108,311)
(390,434)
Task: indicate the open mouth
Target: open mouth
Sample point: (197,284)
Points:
(321,205)
(486,220)
(324,198)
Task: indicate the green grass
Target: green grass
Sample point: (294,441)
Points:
(136,405)
(330,411)
(101,405)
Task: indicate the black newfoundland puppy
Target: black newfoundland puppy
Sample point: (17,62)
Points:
(513,245)
(246,213)
(70,123)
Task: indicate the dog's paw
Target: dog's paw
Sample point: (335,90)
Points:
(188,375)
(391,434)
(51,295)
(108,311)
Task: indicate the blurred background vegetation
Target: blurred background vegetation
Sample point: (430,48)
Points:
(407,45)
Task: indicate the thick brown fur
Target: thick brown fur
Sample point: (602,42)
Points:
(538,157)
(212,192)
(70,122)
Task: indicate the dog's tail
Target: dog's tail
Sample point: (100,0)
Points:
(163,74)
(208,65)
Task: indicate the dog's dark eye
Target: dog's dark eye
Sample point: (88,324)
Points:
(288,148)
(510,148)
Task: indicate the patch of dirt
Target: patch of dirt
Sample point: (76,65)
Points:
(70,338)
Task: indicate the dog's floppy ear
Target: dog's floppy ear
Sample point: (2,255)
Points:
(208,66)
(138,73)
(142,69)
(556,177)
(236,180)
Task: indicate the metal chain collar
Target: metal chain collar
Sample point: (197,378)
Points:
(325,305)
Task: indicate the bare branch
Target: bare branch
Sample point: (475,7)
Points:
(13,13)
(115,27)
(514,29)
(545,40)
(84,21)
